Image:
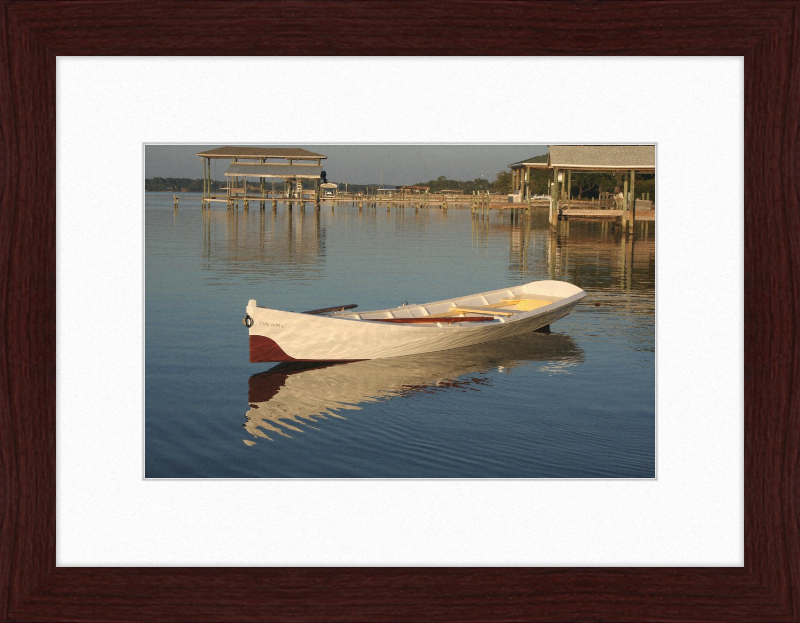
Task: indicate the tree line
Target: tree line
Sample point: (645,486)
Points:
(589,184)
(178,184)
(585,184)
(501,184)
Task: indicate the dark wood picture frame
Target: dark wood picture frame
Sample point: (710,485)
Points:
(34,33)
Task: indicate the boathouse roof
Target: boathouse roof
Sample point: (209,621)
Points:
(294,153)
(603,157)
(534,162)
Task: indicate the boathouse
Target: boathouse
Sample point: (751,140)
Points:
(562,160)
(291,167)
(624,159)
(521,173)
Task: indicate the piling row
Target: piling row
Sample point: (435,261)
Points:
(479,203)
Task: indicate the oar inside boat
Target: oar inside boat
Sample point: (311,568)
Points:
(434,319)
(335,308)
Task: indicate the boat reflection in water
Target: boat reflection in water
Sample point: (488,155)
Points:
(291,397)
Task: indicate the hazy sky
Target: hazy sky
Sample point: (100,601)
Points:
(362,164)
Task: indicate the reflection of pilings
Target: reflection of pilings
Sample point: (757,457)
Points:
(478,231)
(552,253)
(233,228)
(290,230)
(625,262)
(629,263)
(207,233)
(262,230)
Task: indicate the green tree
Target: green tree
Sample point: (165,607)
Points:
(502,182)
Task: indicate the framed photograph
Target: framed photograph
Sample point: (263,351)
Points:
(540,363)
(33,587)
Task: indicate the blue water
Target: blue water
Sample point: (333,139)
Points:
(577,403)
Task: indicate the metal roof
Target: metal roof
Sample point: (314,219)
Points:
(603,157)
(281,171)
(261,152)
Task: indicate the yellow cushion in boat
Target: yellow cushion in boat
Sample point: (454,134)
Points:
(525,304)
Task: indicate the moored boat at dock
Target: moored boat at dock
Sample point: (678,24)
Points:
(340,334)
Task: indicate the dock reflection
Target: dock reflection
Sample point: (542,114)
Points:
(263,241)
(290,396)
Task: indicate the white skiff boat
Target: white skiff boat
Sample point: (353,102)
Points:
(338,334)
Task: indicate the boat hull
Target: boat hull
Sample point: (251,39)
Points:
(277,336)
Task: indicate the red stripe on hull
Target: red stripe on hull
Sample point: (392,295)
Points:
(264,350)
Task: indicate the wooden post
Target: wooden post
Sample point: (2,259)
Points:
(529,198)
(554,199)
(568,189)
(261,189)
(233,184)
(205,184)
(527,194)
(625,212)
(633,201)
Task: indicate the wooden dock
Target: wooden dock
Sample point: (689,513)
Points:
(579,214)
(480,205)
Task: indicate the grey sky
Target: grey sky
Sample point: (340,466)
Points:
(363,164)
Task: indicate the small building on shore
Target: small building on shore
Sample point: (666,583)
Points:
(414,189)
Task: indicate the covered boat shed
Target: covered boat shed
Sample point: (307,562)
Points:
(521,174)
(563,159)
(291,165)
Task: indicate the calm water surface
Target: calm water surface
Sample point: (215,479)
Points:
(579,402)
